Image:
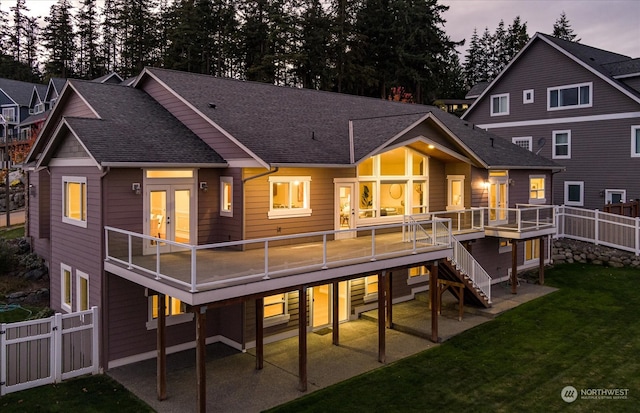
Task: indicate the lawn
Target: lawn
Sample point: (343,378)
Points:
(585,335)
(12,232)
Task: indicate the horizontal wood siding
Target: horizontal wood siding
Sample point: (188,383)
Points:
(486,252)
(80,248)
(69,147)
(464,169)
(256,193)
(542,67)
(125,206)
(39,222)
(76,107)
(209,134)
(633,82)
(479,192)
(293,309)
(437,185)
(212,227)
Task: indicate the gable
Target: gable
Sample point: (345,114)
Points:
(69,147)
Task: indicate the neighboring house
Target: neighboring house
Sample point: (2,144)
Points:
(574,104)
(16,99)
(112,78)
(207,208)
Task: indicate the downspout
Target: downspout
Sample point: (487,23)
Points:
(244,195)
(103,338)
(269,172)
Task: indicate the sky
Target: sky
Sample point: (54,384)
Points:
(612,25)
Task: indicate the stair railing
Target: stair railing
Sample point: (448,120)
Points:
(467,265)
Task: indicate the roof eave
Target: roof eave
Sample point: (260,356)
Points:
(163,165)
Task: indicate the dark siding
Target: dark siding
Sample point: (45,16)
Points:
(437,185)
(479,192)
(39,213)
(519,186)
(633,82)
(460,168)
(485,251)
(70,148)
(212,227)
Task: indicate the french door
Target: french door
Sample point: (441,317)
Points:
(169,216)
(321,308)
(345,208)
(498,200)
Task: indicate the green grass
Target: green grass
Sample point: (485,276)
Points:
(585,335)
(85,394)
(12,232)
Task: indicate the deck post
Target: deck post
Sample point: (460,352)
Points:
(336,314)
(514,266)
(389,300)
(382,289)
(201,358)
(162,349)
(302,338)
(434,301)
(541,257)
(259,333)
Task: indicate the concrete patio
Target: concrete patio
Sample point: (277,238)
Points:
(234,385)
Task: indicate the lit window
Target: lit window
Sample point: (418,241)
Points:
(527,96)
(531,250)
(226,196)
(290,196)
(523,142)
(455,196)
(635,141)
(370,287)
(500,104)
(567,97)
(276,309)
(504,245)
(562,144)
(9,114)
(75,200)
(179,173)
(536,189)
(418,274)
(175,311)
(65,287)
(574,193)
(82,288)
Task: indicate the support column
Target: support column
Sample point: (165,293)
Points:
(434,299)
(201,358)
(382,287)
(302,338)
(541,250)
(389,300)
(259,333)
(336,315)
(162,349)
(514,266)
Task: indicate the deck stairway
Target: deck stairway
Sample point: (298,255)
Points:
(449,271)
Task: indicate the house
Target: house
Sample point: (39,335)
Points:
(217,210)
(575,104)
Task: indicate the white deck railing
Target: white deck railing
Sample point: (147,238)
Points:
(525,217)
(270,257)
(466,264)
(599,228)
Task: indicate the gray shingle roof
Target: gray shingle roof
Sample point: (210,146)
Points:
(627,67)
(19,91)
(134,128)
(300,126)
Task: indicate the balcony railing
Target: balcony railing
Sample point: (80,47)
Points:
(523,218)
(204,267)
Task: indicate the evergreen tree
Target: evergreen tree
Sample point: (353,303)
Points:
(485,65)
(257,39)
(31,44)
(500,54)
(184,23)
(312,58)
(59,39)
(342,14)
(90,60)
(4,31)
(137,23)
(517,38)
(111,34)
(562,29)
(472,70)
(16,36)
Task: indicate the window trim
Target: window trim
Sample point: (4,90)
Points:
(534,249)
(542,200)
(609,192)
(635,137)
(79,291)
(450,180)
(9,118)
(305,211)
(66,284)
(563,87)
(524,96)
(566,193)
(170,320)
(500,96)
(421,277)
(82,180)
(529,140)
(555,133)
(226,212)
(279,318)
(369,297)
(507,247)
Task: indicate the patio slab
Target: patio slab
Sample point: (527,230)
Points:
(234,385)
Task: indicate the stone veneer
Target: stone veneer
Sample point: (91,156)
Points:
(568,251)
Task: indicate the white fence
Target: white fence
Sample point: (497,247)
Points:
(48,350)
(599,228)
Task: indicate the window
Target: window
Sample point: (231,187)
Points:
(65,288)
(455,193)
(504,245)
(531,251)
(289,196)
(370,288)
(226,196)
(635,141)
(536,189)
(571,96)
(574,193)
(500,104)
(75,200)
(562,144)
(523,142)
(276,309)
(175,311)
(39,108)
(615,196)
(527,96)
(9,114)
(82,291)
(418,274)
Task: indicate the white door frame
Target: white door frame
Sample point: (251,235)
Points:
(169,217)
(345,210)
(497,208)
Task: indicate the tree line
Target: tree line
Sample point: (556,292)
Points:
(364,47)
